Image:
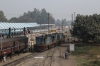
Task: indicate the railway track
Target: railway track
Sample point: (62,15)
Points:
(47,61)
(49,57)
(20,60)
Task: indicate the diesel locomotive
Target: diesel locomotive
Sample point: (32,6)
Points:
(45,42)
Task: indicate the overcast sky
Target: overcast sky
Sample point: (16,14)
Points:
(58,8)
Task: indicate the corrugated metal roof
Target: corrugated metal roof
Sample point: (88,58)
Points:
(4,25)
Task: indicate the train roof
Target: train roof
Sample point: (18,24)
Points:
(40,36)
(57,33)
(13,39)
(43,36)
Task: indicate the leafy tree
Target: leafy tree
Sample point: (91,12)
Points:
(41,17)
(58,22)
(13,19)
(2,17)
(87,27)
(64,22)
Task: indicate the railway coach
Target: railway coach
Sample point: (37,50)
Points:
(13,45)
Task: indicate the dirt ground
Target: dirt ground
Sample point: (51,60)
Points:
(70,61)
(51,57)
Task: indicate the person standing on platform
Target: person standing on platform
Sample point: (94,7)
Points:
(4,57)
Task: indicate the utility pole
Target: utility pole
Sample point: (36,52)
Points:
(74,22)
(48,22)
(40,28)
(71,25)
(1,41)
(1,45)
(62,26)
(74,17)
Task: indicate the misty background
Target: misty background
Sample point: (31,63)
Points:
(60,10)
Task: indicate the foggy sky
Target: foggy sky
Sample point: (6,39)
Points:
(58,8)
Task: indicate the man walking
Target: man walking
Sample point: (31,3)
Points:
(66,55)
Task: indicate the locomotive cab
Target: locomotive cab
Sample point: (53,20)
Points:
(40,40)
(43,43)
(60,38)
(40,43)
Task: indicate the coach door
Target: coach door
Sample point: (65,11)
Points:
(17,46)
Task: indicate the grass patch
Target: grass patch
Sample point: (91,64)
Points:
(87,55)
(81,50)
(92,63)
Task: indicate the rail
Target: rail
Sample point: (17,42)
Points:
(20,60)
(48,57)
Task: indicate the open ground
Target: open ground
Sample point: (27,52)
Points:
(51,57)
